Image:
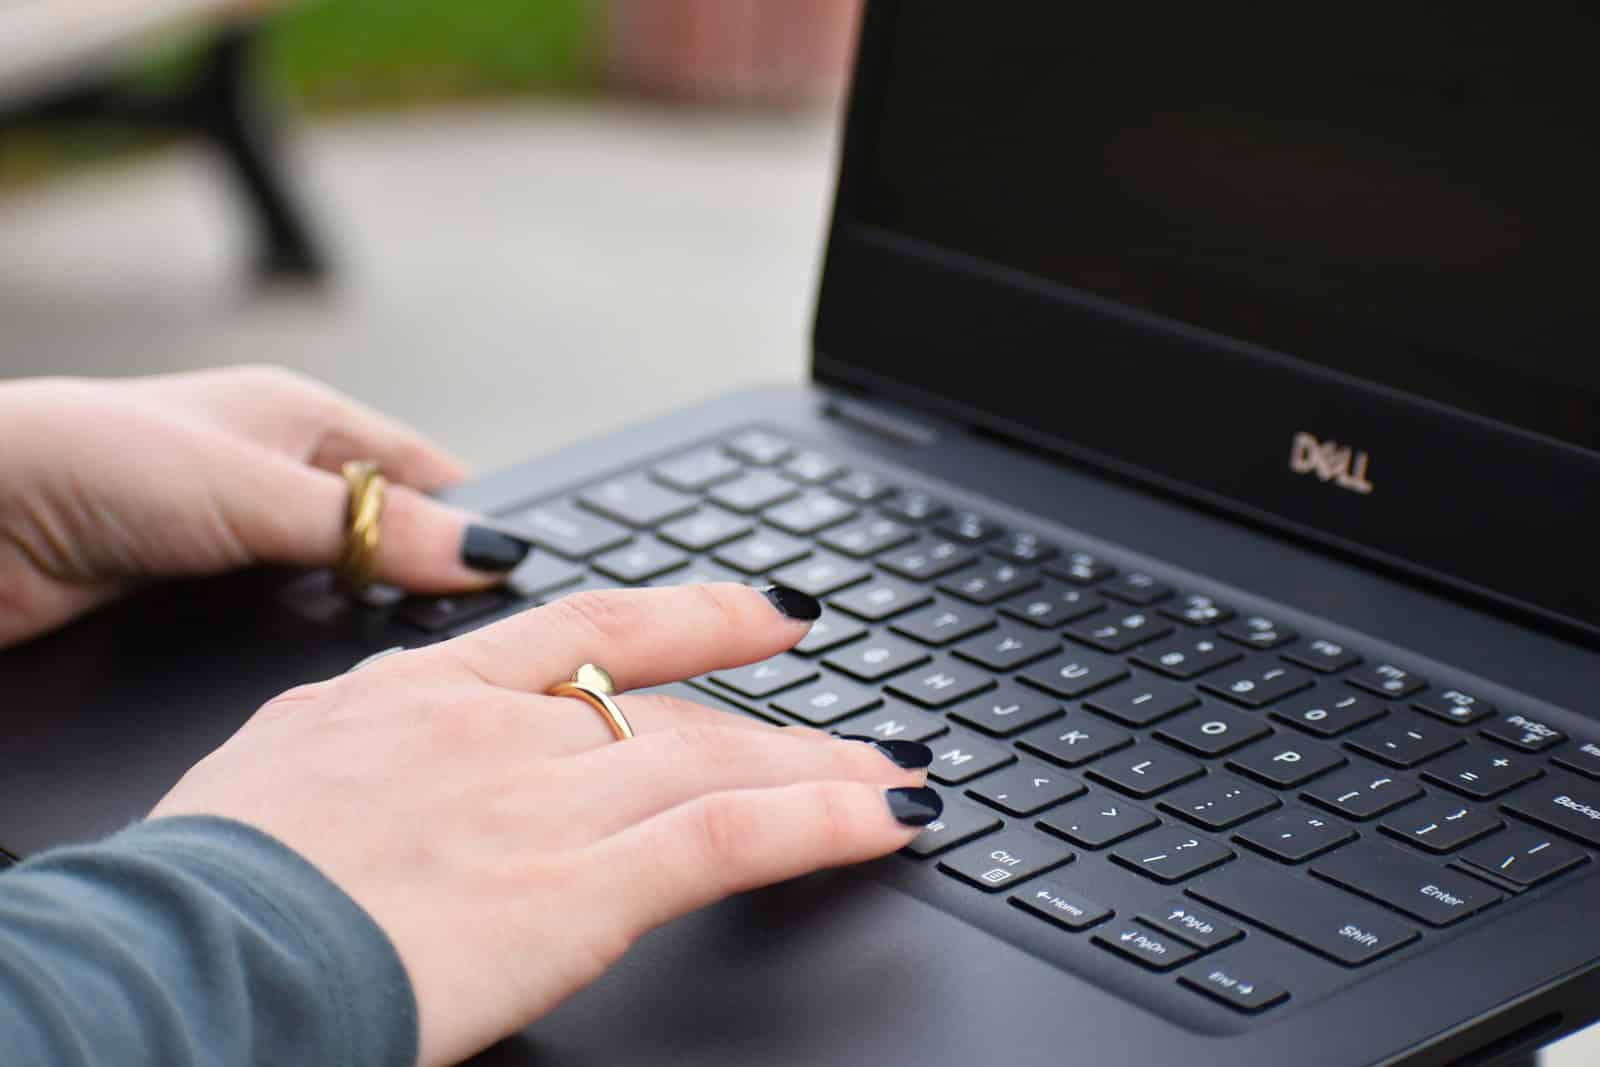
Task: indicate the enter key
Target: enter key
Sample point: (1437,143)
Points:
(1406,883)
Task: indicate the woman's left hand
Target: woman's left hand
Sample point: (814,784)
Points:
(104,484)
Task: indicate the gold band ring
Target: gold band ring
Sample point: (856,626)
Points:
(593,686)
(358,560)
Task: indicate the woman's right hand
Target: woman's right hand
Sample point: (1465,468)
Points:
(512,850)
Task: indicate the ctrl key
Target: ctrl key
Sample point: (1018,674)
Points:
(1055,903)
(1242,992)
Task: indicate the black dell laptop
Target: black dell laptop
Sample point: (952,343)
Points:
(1202,458)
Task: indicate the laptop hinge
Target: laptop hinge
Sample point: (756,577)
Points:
(891,426)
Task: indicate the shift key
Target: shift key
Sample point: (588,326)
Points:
(1563,802)
(1319,917)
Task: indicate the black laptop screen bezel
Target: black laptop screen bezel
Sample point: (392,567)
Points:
(1484,507)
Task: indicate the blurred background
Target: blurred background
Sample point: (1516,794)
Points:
(510,203)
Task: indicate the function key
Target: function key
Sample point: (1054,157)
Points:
(636,501)
(1481,772)
(1404,740)
(942,622)
(1187,657)
(1218,801)
(1052,605)
(988,583)
(830,631)
(1145,946)
(1523,733)
(1440,824)
(1171,854)
(1142,701)
(1005,858)
(705,529)
(767,677)
(1076,741)
(1213,731)
(1294,835)
(1145,770)
(1067,908)
(761,552)
(811,466)
(1323,656)
(822,574)
(1008,647)
(644,559)
(1258,631)
(895,721)
(1362,792)
(808,513)
(970,527)
(931,557)
(827,701)
(1073,674)
(1026,789)
(1523,856)
(1329,713)
(1136,587)
(868,536)
(880,599)
(755,491)
(1285,762)
(1097,820)
(959,823)
(1194,923)
(1452,705)
(759,447)
(861,486)
(1118,633)
(1080,568)
(1197,610)
(961,758)
(913,505)
(1406,882)
(941,683)
(1584,758)
(568,530)
(1387,680)
(1005,711)
(877,657)
(1243,990)
(1021,547)
(1257,683)
(697,470)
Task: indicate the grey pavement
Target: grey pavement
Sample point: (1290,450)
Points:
(510,278)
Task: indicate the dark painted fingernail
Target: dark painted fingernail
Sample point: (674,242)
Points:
(912,755)
(915,807)
(792,603)
(484,549)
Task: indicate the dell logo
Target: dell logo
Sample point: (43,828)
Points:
(1330,461)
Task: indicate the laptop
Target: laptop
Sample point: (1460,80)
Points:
(1200,458)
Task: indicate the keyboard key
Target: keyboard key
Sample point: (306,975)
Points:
(540,573)
(960,823)
(1329,712)
(1295,834)
(1257,683)
(1187,657)
(1481,772)
(761,551)
(435,614)
(1406,882)
(970,527)
(1286,762)
(1197,610)
(877,657)
(928,558)
(1170,855)
(913,505)
(759,447)
(1404,740)
(1007,710)
(1097,820)
(1362,792)
(809,466)
(895,721)
(1321,918)
(1258,631)
(636,501)
(1213,731)
(564,529)
(644,559)
(753,491)
(1583,758)
(1452,705)
(1141,701)
(960,758)
(1562,802)
(868,536)
(941,683)
(1387,680)
(1243,990)
(1145,770)
(809,512)
(1021,547)
(988,583)
(767,677)
(1118,633)
(1003,859)
(1080,568)
(827,701)
(1323,656)
(1008,647)
(1136,587)
(861,487)
(1218,802)
(1144,946)
(697,470)
(1054,902)
(1523,856)
(1520,732)
(1026,789)
(1052,605)
(705,529)
(943,622)
(1440,824)
(1073,674)
(881,599)
(1195,923)
(701,572)
(830,631)
(1076,741)
(822,575)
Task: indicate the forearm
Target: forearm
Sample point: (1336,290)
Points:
(194,941)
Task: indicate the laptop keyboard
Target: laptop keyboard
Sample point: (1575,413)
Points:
(1233,807)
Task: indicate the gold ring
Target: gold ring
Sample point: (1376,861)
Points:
(358,560)
(592,685)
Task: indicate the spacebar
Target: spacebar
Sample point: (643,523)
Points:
(1317,916)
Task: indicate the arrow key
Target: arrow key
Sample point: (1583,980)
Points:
(1027,789)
